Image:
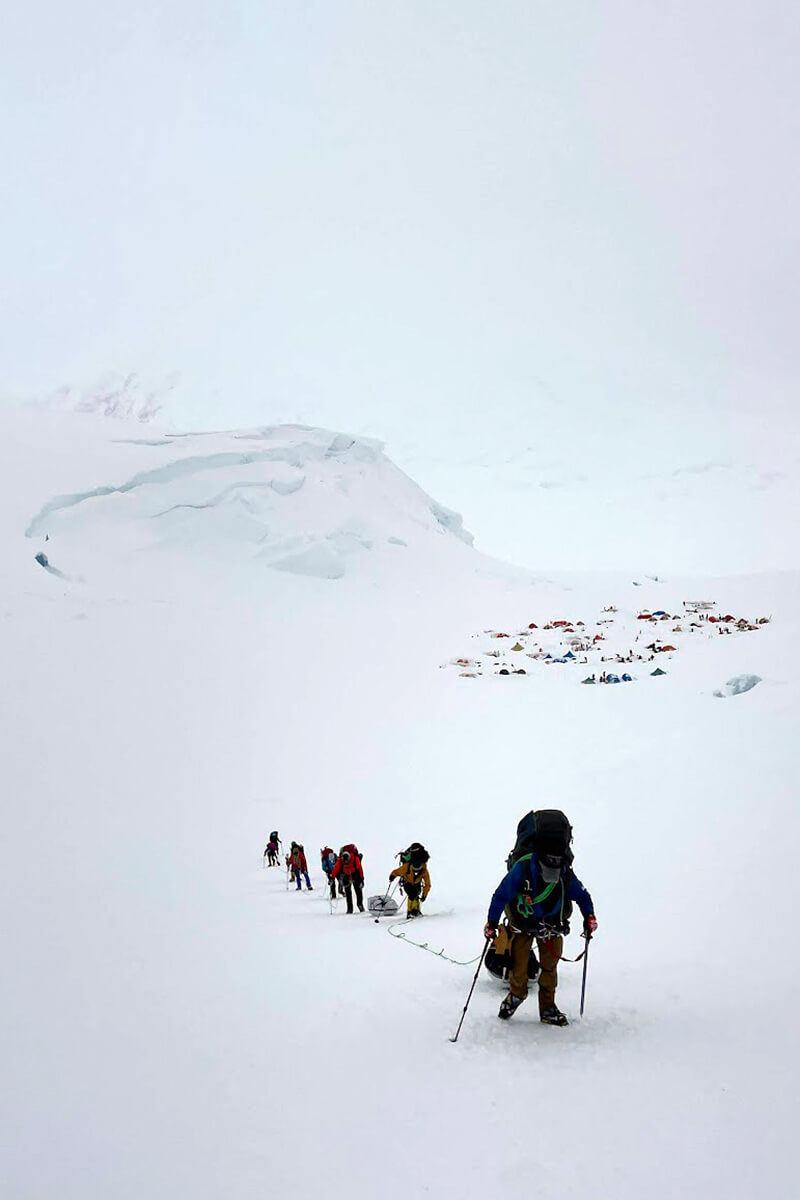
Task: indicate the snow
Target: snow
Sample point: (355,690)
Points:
(738,685)
(179,1023)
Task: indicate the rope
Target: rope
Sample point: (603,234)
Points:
(424,946)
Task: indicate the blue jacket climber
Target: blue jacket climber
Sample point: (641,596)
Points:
(549,903)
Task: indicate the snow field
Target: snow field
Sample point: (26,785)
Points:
(180,1024)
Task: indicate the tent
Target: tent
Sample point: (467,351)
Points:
(658,671)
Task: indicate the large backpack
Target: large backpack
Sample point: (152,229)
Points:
(273,837)
(416,854)
(544,831)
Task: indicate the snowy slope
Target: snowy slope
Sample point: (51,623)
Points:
(297,499)
(180,1024)
(662,489)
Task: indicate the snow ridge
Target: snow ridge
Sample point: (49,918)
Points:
(301,499)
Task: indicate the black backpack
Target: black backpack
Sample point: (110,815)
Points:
(545,831)
(416,854)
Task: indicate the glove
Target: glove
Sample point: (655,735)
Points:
(590,925)
(490,930)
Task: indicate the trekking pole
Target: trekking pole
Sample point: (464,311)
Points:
(392,886)
(472,989)
(585,965)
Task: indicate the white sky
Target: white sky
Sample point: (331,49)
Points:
(408,216)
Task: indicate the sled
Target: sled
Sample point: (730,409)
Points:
(382,906)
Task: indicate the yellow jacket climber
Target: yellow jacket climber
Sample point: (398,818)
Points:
(414,877)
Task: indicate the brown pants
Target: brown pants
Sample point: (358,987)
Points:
(550,950)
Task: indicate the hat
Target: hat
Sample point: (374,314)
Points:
(550,867)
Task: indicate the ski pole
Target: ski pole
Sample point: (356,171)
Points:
(472,989)
(585,965)
(392,886)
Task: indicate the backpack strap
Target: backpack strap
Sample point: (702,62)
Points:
(522,897)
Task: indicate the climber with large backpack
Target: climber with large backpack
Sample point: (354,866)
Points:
(328,862)
(348,866)
(271,853)
(300,866)
(414,878)
(536,898)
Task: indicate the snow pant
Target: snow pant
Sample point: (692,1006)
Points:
(412,891)
(354,882)
(550,950)
(297,875)
(272,858)
(331,885)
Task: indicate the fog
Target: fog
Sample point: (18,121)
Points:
(466,228)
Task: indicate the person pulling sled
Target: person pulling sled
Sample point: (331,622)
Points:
(414,878)
(537,896)
(348,867)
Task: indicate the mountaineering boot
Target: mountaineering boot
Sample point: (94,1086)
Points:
(361,908)
(553,1016)
(509,1006)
